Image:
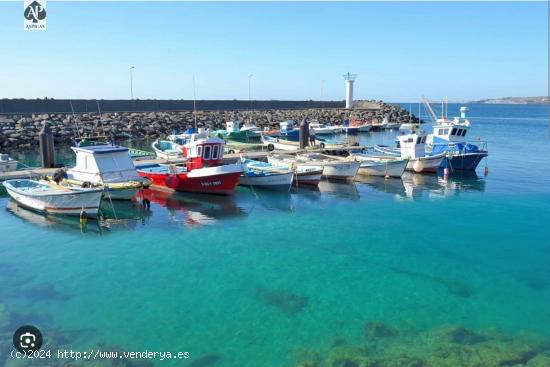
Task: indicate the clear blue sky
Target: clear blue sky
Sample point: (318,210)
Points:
(401,51)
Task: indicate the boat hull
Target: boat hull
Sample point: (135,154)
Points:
(220,180)
(71,203)
(466,161)
(276,181)
(383,169)
(308,178)
(341,170)
(429,164)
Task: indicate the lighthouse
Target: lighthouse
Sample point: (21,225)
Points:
(349,78)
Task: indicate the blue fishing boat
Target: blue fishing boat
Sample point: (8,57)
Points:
(449,136)
(265,176)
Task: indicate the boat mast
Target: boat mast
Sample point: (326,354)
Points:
(74,118)
(195,103)
(431,112)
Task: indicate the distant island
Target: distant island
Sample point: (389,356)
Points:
(515,100)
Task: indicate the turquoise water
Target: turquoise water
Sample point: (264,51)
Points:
(251,279)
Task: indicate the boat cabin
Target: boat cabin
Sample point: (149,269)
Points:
(102,163)
(232,126)
(286,126)
(451,130)
(202,151)
(412,145)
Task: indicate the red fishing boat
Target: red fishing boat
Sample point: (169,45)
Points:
(203,172)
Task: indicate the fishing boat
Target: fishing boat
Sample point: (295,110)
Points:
(48,197)
(265,175)
(233,132)
(304,174)
(384,166)
(167,149)
(392,125)
(203,172)
(450,136)
(321,129)
(106,165)
(355,125)
(333,167)
(252,130)
(7,164)
(279,143)
(413,148)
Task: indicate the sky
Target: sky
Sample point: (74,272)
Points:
(293,50)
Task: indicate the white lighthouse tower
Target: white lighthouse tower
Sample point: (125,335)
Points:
(349,78)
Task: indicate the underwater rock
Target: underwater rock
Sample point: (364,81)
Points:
(306,358)
(377,329)
(461,335)
(348,356)
(446,346)
(206,360)
(45,292)
(458,288)
(286,302)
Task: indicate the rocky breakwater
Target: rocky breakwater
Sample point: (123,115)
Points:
(21,131)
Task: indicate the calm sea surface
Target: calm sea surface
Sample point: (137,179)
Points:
(249,280)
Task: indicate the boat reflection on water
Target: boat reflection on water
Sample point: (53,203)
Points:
(120,216)
(435,186)
(392,186)
(414,185)
(193,209)
(339,189)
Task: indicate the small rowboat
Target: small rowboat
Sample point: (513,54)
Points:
(333,167)
(166,149)
(265,176)
(385,166)
(305,174)
(48,197)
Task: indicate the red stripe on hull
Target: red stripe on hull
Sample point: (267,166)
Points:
(216,184)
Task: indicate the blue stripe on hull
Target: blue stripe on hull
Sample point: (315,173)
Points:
(467,162)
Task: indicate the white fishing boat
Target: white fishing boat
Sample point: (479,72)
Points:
(384,166)
(304,174)
(48,197)
(391,125)
(413,147)
(109,166)
(265,175)
(167,149)
(333,167)
(7,164)
(324,129)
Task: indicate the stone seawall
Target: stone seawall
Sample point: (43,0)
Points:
(21,131)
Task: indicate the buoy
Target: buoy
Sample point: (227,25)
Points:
(446,173)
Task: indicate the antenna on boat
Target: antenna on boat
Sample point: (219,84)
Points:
(74,118)
(195,103)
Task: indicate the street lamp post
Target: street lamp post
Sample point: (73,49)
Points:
(250,90)
(131,83)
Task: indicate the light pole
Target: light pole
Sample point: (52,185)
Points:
(132,82)
(250,90)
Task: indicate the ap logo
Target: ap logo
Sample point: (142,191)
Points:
(35,15)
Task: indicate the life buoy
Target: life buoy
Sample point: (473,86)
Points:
(270,147)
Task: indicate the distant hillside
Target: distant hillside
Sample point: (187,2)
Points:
(515,100)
